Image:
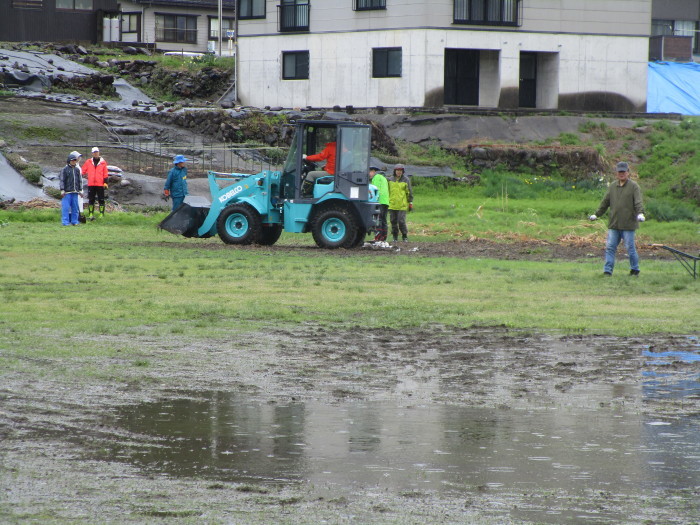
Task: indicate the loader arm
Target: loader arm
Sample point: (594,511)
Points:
(253,189)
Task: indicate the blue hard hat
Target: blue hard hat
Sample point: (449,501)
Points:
(179,158)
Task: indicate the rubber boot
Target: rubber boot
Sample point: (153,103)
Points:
(91,212)
(102,211)
(307,189)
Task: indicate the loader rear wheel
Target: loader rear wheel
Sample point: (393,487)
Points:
(334,228)
(269,234)
(239,224)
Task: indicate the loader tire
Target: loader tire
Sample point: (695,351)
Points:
(239,224)
(334,228)
(359,238)
(269,234)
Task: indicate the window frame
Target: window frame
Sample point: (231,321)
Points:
(232,27)
(298,12)
(85,9)
(296,76)
(164,31)
(130,31)
(469,12)
(376,5)
(251,4)
(27,4)
(381,63)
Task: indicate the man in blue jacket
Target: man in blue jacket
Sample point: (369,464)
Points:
(176,183)
(70,183)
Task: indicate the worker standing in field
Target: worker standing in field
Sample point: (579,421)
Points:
(96,172)
(624,198)
(176,182)
(400,202)
(379,180)
(80,195)
(70,182)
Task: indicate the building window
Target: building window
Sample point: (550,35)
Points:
(251,9)
(180,29)
(486,12)
(386,62)
(28,4)
(677,28)
(227,24)
(368,5)
(130,22)
(295,65)
(74,5)
(294,15)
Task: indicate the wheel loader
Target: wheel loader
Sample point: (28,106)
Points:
(337,206)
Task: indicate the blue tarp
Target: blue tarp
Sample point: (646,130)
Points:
(674,87)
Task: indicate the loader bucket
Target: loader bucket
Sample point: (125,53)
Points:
(185,221)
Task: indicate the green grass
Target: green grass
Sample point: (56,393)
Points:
(87,291)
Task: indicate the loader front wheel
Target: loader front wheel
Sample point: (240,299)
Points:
(269,234)
(334,228)
(239,224)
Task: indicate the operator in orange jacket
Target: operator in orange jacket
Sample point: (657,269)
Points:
(328,154)
(96,171)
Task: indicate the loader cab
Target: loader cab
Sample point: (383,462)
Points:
(350,172)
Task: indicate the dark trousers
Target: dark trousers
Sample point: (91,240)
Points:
(398,222)
(382,228)
(98,191)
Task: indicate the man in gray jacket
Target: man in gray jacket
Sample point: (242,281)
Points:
(624,198)
(70,183)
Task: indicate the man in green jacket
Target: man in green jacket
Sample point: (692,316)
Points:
(379,180)
(624,198)
(400,201)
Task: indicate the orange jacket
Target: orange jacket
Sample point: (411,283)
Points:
(328,154)
(96,175)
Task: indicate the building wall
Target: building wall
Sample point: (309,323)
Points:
(676,9)
(51,25)
(148,26)
(576,68)
(592,54)
(611,17)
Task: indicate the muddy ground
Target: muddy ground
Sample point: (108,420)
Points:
(68,458)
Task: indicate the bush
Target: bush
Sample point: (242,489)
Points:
(32,173)
(667,211)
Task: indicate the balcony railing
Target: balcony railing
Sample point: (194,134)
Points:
(293,17)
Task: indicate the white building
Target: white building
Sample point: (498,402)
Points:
(568,54)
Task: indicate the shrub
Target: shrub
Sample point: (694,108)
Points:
(667,211)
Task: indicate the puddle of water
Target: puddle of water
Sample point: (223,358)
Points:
(13,185)
(348,446)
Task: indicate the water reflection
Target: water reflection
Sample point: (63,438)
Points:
(343,446)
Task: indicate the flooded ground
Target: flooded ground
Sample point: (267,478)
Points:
(315,426)
(14,186)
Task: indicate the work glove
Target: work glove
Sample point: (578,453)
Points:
(62,193)
(106,186)
(410,206)
(641,217)
(303,156)
(592,218)
(166,193)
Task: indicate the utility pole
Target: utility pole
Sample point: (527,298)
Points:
(221,23)
(235,53)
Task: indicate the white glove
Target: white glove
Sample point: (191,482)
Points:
(592,218)
(641,217)
(303,156)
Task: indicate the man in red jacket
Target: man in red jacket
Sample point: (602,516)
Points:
(96,171)
(327,154)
